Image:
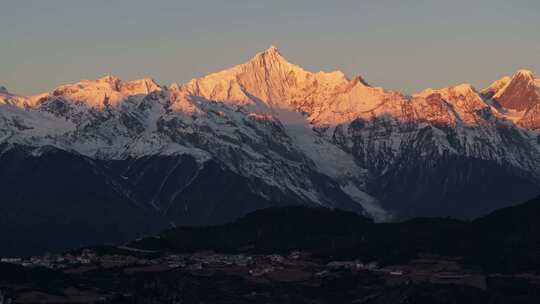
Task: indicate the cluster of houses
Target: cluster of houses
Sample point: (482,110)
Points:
(256,265)
(68,260)
(352,265)
(434,270)
(195,261)
(50,261)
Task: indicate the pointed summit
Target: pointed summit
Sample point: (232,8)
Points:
(270,80)
(270,55)
(267,77)
(273,49)
(520,93)
(3,90)
(524,73)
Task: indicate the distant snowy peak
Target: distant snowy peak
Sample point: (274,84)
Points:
(460,103)
(286,128)
(520,93)
(99,93)
(3,90)
(269,82)
(464,89)
(268,79)
(496,87)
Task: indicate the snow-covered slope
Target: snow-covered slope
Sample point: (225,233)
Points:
(297,136)
(140,133)
(496,87)
(385,131)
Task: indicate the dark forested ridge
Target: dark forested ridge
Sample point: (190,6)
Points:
(503,241)
(300,255)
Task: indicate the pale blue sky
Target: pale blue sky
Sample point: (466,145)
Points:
(398,44)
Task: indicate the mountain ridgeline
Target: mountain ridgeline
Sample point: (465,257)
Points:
(107,160)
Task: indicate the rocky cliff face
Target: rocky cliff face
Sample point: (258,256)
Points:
(273,133)
(520,93)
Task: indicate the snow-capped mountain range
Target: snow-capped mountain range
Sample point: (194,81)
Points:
(279,135)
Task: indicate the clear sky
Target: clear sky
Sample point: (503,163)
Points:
(398,44)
